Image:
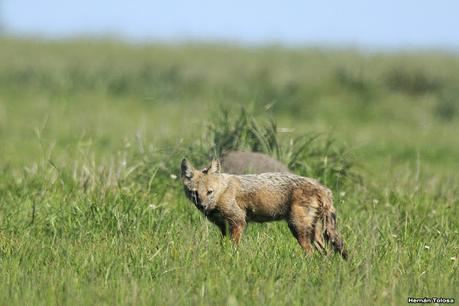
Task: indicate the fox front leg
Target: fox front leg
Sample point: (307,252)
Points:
(222,226)
(236,218)
(236,230)
(219,222)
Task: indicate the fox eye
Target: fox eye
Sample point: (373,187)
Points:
(209,192)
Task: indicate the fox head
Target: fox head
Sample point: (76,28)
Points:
(202,187)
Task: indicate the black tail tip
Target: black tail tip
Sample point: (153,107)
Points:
(345,255)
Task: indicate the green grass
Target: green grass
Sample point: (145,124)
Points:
(91,132)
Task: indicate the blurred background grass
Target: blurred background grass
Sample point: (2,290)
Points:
(387,107)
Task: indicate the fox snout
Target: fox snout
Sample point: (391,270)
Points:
(203,206)
(194,196)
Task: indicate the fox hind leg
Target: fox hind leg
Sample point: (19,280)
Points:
(300,224)
(302,238)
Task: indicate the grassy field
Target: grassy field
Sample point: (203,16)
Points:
(92,133)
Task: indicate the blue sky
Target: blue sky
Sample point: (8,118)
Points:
(385,23)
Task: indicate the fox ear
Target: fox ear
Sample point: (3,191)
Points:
(187,169)
(214,166)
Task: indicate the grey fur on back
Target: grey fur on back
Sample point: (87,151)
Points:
(281,182)
(239,162)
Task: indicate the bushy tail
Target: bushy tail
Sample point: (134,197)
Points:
(331,235)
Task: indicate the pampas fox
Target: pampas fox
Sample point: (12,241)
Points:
(234,200)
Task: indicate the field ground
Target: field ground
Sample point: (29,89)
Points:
(91,135)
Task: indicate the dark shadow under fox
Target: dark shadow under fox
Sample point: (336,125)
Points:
(230,201)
